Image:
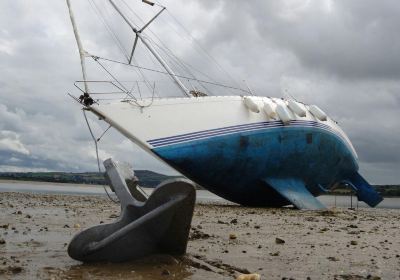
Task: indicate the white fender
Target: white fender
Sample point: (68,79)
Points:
(298,108)
(283,113)
(270,109)
(251,104)
(318,113)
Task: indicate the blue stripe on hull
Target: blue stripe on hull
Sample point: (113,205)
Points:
(233,165)
(237,129)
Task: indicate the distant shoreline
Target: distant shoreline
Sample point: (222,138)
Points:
(36,182)
(146,177)
(47,183)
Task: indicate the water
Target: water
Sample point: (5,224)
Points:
(76,189)
(202,195)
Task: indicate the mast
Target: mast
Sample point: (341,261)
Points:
(150,48)
(82,52)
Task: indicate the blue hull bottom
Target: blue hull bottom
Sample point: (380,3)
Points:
(237,166)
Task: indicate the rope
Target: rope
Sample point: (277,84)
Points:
(97,153)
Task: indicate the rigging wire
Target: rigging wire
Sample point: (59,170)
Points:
(173,59)
(179,62)
(192,39)
(97,153)
(134,99)
(166,50)
(97,156)
(166,73)
(132,11)
(115,79)
(118,42)
(104,132)
(200,47)
(153,61)
(113,35)
(98,159)
(140,72)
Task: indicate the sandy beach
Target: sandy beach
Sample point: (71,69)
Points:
(225,241)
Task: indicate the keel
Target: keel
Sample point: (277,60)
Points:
(295,191)
(364,190)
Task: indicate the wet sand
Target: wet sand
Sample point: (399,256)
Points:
(226,240)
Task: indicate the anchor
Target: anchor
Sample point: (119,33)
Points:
(157,225)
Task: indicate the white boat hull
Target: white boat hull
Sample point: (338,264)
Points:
(238,152)
(170,117)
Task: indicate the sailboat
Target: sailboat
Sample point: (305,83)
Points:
(252,150)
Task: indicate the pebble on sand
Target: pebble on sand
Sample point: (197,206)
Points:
(279,240)
(232,236)
(15,269)
(253,276)
(77,226)
(334,259)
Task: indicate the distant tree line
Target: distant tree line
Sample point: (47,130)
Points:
(147,178)
(384,190)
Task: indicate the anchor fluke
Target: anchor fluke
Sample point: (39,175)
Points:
(159,225)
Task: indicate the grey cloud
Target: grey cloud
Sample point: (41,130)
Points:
(355,39)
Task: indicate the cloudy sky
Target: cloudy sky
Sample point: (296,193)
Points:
(342,55)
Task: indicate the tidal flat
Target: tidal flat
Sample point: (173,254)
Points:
(225,241)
